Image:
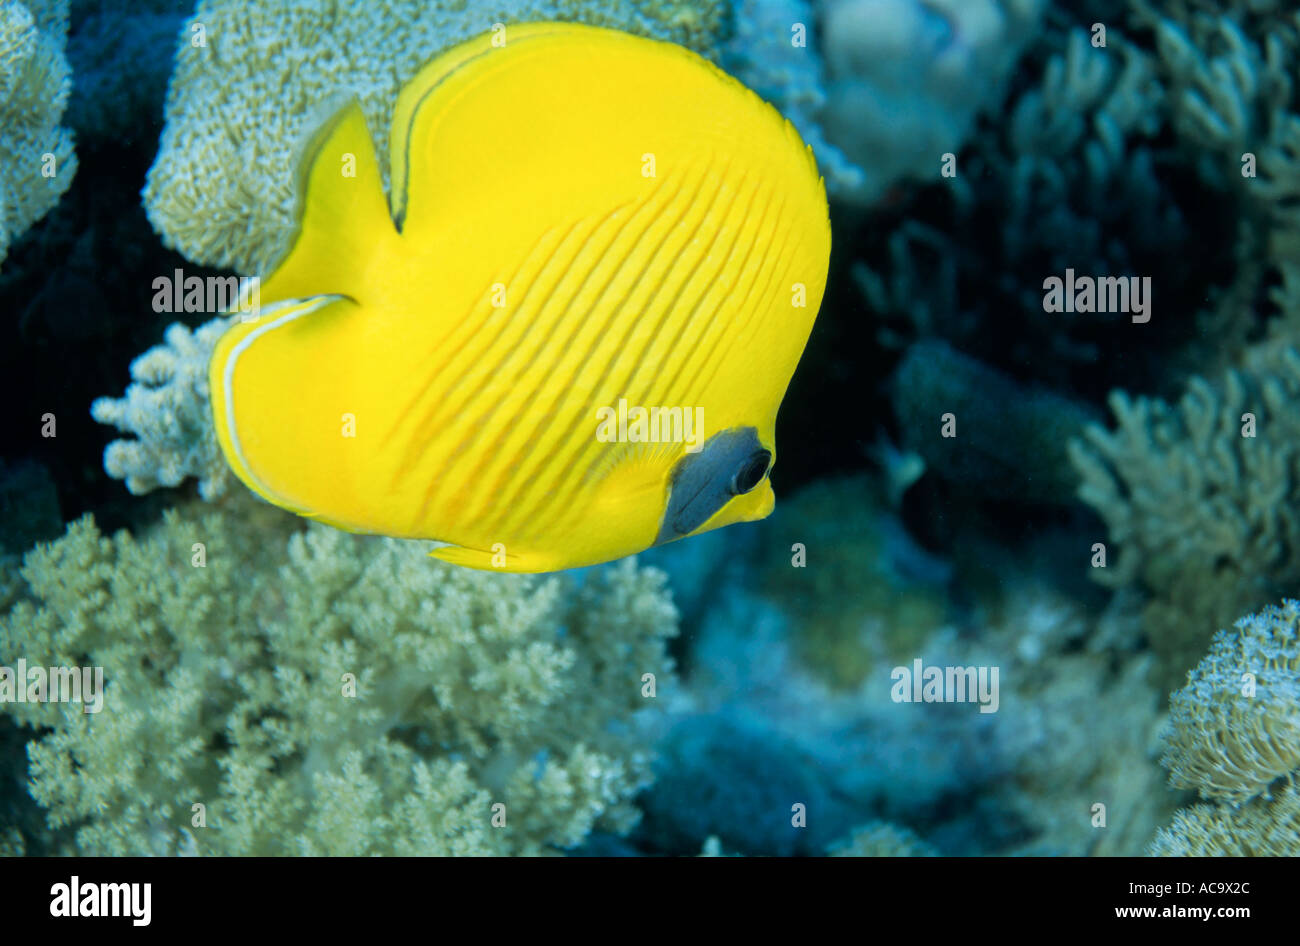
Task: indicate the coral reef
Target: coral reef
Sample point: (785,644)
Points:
(765,55)
(719,776)
(864,579)
(11,843)
(880,839)
(222,193)
(1078,176)
(769,655)
(1199,499)
(1061,768)
(228,630)
(168,409)
(1232,104)
(37,162)
(1234,736)
(905,80)
(1081,185)
(324,693)
(1235,726)
(1009,439)
(1260,828)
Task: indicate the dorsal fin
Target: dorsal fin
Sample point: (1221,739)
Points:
(342,213)
(415,92)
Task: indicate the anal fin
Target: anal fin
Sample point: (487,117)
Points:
(478,558)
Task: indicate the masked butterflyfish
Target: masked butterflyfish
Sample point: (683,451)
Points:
(564,334)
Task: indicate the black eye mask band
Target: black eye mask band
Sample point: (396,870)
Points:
(704,482)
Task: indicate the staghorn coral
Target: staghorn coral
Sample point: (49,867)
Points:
(222,192)
(225,686)
(881,839)
(34,87)
(1203,518)
(168,409)
(1236,740)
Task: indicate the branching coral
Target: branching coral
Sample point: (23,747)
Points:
(1200,500)
(1074,178)
(1079,163)
(37,162)
(222,192)
(168,409)
(1229,82)
(1232,102)
(1235,738)
(881,839)
(231,643)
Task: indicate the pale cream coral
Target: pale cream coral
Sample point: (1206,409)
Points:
(227,635)
(1236,724)
(251,77)
(37,162)
(1234,736)
(1262,828)
(168,409)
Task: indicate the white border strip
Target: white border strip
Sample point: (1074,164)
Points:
(228,371)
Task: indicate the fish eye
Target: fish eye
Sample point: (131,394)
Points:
(751,472)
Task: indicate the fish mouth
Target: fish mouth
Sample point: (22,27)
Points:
(702,483)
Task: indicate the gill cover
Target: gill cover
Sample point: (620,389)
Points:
(731,463)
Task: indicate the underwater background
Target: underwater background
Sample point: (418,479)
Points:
(1101,503)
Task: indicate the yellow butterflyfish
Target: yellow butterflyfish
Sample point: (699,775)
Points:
(582,225)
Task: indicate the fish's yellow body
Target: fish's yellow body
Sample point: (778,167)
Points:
(579,219)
